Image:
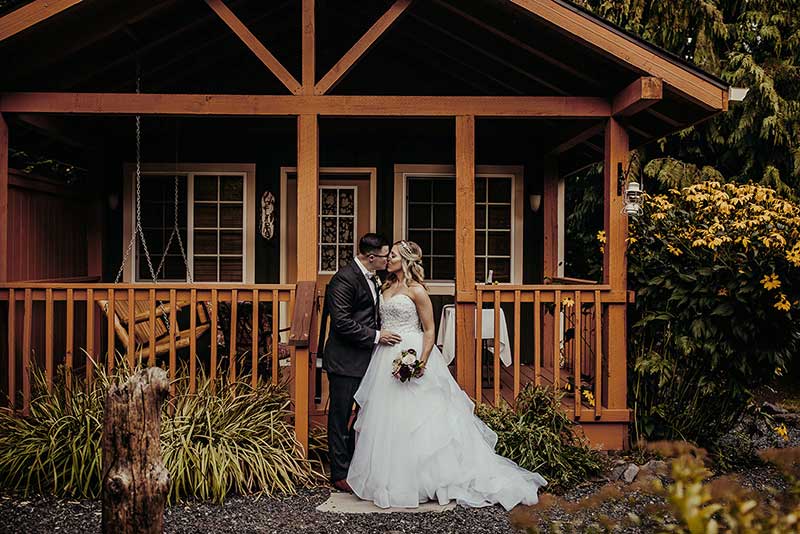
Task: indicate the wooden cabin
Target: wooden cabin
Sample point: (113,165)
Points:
(269,135)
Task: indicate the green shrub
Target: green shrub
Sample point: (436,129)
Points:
(716,268)
(538,435)
(239,439)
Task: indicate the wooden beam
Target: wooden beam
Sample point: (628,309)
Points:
(4,202)
(362,46)
(31,14)
(573,72)
(627,51)
(582,137)
(307,196)
(280,105)
(255,46)
(465,253)
(639,95)
(309,53)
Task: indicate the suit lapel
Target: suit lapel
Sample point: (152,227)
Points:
(365,286)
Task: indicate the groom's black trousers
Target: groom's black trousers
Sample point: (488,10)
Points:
(341,436)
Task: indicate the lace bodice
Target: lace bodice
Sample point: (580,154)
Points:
(399,314)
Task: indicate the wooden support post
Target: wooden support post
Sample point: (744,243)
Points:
(309,61)
(307,209)
(550,254)
(614,262)
(135,482)
(3,199)
(465,253)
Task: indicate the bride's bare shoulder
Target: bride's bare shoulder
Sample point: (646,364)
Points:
(417,290)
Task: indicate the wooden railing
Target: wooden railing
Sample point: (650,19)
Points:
(565,329)
(81,325)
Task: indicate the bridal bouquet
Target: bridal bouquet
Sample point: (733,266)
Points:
(407,366)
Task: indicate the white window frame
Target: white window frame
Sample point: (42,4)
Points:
(168,170)
(337,188)
(515,172)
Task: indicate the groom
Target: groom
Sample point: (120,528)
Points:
(351,300)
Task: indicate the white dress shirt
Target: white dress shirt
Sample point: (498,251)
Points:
(369,276)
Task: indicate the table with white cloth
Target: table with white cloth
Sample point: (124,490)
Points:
(446,338)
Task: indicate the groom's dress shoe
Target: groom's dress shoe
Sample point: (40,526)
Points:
(342,485)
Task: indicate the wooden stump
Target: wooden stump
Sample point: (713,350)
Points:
(135,481)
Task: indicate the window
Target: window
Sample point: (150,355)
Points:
(337,227)
(427,216)
(212,214)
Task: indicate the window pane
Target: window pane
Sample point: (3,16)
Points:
(230,242)
(419,190)
(346,230)
(327,201)
(444,242)
(327,258)
(345,255)
(499,243)
(230,216)
(205,187)
(174,268)
(153,188)
(444,190)
(480,243)
(155,241)
(205,269)
(444,268)
(426,266)
(419,216)
(501,268)
(230,269)
(423,239)
(205,215)
(231,188)
(480,270)
(327,231)
(480,189)
(499,190)
(205,242)
(480,216)
(347,203)
(500,217)
(152,214)
(444,216)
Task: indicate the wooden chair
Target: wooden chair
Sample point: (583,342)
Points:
(141,329)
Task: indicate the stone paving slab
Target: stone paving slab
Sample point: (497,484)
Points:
(347,503)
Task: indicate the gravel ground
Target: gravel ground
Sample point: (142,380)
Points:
(596,506)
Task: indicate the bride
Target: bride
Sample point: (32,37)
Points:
(419,440)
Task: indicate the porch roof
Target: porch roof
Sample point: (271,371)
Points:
(496,48)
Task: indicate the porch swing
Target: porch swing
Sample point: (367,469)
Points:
(141,310)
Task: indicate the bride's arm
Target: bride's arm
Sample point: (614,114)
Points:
(425,312)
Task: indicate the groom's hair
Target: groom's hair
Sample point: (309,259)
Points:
(372,244)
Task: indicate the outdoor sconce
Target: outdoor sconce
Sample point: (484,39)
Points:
(535,202)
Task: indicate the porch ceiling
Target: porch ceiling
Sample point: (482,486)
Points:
(437,48)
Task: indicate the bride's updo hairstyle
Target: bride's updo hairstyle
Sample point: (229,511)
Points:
(411,262)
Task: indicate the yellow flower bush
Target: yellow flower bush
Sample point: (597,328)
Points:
(716,268)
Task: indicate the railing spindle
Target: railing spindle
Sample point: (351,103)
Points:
(478,348)
(577,358)
(173,328)
(48,338)
(192,341)
(598,355)
(26,352)
(131,348)
(151,306)
(496,359)
(70,337)
(275,335)
(254,339)
(557,340)
(537,338)
(213,370)
(517,299)
(12,349)
(232,362)
(89,337)
(111,316)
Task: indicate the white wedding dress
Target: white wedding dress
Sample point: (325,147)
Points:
(420,440)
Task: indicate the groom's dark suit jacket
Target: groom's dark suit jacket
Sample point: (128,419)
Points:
(354,321)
